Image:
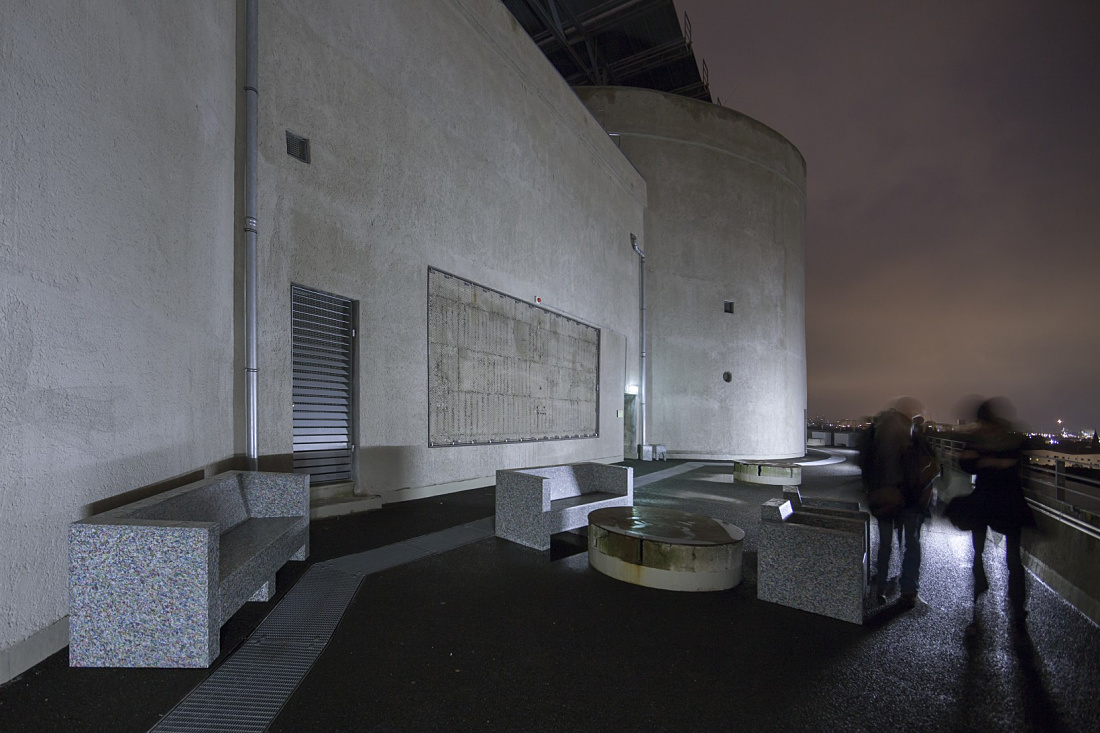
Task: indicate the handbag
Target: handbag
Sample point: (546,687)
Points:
(965,512)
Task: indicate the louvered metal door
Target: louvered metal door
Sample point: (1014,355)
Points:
(324,385)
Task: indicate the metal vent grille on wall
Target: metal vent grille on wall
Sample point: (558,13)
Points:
(323,385)
(297,146)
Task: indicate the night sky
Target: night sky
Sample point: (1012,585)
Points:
(953,164)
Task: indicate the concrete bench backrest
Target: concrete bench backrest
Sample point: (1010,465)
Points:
(565,481)
(840,524)
(220,501)
(825,506)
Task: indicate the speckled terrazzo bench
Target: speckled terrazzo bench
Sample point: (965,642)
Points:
(834,508)
(534,503)
(152,582)
(813,558)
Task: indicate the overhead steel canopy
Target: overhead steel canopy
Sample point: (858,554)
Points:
(635,43)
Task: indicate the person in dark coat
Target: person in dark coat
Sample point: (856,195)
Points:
(892,459)
(994,455)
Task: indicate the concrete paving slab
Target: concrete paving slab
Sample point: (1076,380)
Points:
(493,636)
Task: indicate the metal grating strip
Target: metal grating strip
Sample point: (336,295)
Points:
(249,689)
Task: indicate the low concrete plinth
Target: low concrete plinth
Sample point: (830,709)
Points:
(665,548)
(771,474)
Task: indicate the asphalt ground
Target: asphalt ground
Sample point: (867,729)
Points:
(493,636)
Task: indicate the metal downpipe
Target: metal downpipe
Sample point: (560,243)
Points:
(251,104)
(641,340)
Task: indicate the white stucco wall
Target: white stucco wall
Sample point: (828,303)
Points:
(440,137)
(116,272)
(725,222)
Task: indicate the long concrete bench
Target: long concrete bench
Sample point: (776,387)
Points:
(814,558)
(152,582)
(534,503)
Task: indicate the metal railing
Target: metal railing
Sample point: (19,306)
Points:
(1069,497)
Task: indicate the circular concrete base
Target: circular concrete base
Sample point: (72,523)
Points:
(665,548)
(771,474)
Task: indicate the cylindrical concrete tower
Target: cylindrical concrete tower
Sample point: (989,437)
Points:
(725,274)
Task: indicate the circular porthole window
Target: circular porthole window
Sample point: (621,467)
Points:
(727,377)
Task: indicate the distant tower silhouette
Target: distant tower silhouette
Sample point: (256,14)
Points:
(1095,443)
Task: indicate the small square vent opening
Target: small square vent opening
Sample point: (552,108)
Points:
(297,146)
(728,307)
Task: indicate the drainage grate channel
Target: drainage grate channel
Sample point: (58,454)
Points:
(250,688)
(247,691)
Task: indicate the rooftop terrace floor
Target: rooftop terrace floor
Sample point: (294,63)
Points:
(493,636)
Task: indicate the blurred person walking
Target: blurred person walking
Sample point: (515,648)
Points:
(993,455)
(898,468)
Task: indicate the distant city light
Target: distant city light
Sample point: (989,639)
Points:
(1061,435)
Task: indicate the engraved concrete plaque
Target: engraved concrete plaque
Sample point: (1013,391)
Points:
(504,370)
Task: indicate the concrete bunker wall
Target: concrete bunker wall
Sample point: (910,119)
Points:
(116,276)
(440,138)
(725,222)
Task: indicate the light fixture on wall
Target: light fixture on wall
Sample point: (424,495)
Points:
(632,389)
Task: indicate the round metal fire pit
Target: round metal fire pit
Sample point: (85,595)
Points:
(665,548)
